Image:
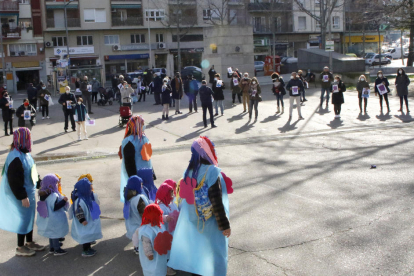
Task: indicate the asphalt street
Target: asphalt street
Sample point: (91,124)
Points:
(305,201)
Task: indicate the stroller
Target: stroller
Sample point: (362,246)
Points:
(125,112)
(106,96)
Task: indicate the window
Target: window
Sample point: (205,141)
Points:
(159,37)
(111,39)
(206,14)
(137,38)
(277,24)
(335,22)
(302,23)
(214,49)
(94,15)
(83,40)
(22,50)
(233,17)
(188,38)
(317,24)
(59,41)
(154,15)
(259,24)
(24,1)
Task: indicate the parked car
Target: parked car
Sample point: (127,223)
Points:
(259,66)
(368,58)
(375,60)
(396,52)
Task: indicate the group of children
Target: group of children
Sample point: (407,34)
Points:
(150,220)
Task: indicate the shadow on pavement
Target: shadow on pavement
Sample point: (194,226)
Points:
(288,127)
(384,117)
(335,123)
(363,117)
(405,118)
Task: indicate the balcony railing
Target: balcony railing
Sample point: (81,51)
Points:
(267,7)
(9,6)
(261,29)
(11,32)
(130,21)
(72,23)
(182,2)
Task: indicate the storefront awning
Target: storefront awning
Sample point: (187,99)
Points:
(126,6)
(187,50)
(75,58)
(56,7)
(133,56)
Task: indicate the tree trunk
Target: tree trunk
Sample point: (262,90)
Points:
(411,47)
(178,48)
(322,23)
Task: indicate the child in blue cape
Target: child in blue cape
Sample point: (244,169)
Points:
(134,206)
(51,221)
(154,242)
(85,212)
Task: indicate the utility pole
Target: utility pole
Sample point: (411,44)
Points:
(178,18)
(67,37)
(3,63)
(149,40)
(330,37)
(274,37)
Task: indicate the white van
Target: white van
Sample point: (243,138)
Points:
(396,52)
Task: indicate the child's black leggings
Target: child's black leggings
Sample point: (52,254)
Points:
(86,246)
(337,109)
(20,238)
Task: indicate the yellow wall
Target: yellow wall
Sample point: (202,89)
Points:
(360,39)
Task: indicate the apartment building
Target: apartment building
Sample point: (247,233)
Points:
(108,37)
(23,48)
(293,28)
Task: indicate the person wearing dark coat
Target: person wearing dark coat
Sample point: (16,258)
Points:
(157,88)
(294,86)
(86,94)
(206,95)
(278,89)
(64,100)
(326,79)
(192,93)
(7,112)
(177,92)
(148,77)
(20,115)
(212,73)
(218,87)
(235,88)
(165,98)
(362,83)
(381,79)
(337,95)
(401,83)
(32,95)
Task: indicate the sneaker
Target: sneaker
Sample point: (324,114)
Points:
(60,252)
(51,251)
(43,118)
(47,117)
(213,126)
(89,253)
(86,138)
(170,271)
(301,118)
(91,112)
(25,252)
(34,246)
(136,250)
(79,139)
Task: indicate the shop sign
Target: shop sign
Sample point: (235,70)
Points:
(134,47)
(187,50)
(74,50)
(329,46)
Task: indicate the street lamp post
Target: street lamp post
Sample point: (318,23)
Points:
(2,55)
(67,33)
(149,38)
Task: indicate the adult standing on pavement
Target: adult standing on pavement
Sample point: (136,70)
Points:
(44,95)
(381,79)
(294,87)
(177,91)
(278,89)
(68,100)
(135,151)
(95,89)
(235,88)
(338,88)
(401,83)
(361,86)
(86,93)
(157,88)
(32,95)
(200,243)
(126,91)
(206,98)
(302,95)
(254,98)
(245,89)
(218,87)
(26,122)
(17,193)
(192,93)
(141,84)
(165,98)
(212,73)
(7,112)
(326,79)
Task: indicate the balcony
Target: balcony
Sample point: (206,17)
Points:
(12,33)
(261,29)
(130,21)
(267,7)
(72,23)
(9,6)
(235,2)
(182,2)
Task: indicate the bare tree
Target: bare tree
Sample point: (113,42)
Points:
(323,15)
(179,19)
(218,12)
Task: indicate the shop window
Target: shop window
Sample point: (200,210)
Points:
(59,41)
(154,15)
(302,23)
(137,38)
(111,39)
(84,40)
(159,37)
(17,50)
(335,22)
